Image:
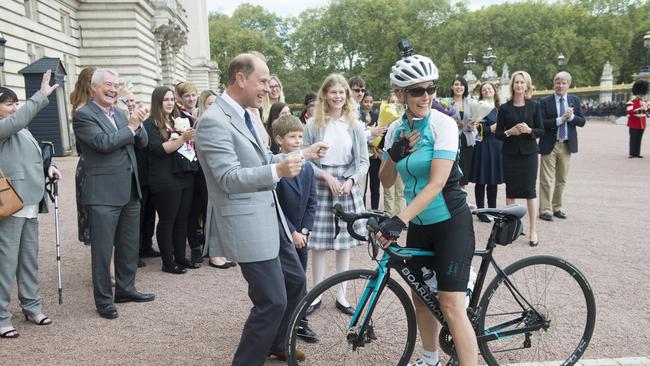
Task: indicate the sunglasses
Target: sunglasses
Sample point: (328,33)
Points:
(418,92)
(358,90)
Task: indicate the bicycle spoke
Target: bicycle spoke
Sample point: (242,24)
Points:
(549,286)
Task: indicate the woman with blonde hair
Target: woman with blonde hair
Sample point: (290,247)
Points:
(336,122)
(206,99)
(275,95)
(519,125)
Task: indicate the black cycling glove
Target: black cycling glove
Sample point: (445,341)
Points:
(392,228)
(399,150)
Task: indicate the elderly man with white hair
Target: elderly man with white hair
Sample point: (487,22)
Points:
(111,191)
(561,114)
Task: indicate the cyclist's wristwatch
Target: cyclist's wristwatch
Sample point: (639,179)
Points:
(305,231)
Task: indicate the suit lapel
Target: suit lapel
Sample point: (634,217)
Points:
(294,183)
(240,125)
(101,117)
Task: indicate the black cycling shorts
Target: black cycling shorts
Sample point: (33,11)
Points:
(452,242)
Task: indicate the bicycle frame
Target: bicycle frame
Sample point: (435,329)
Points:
(390,260)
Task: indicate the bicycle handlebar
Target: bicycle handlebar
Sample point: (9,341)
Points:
(372,225)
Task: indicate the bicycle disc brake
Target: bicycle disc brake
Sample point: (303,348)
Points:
(361,340)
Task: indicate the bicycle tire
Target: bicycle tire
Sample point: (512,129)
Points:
(558,291)
(393,324)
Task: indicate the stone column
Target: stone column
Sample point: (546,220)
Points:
(117,34)
(606,83)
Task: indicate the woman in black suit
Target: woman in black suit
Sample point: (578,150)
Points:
(171,179)
(519,125)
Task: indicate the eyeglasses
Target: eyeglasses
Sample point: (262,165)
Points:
(274,86)
(358,90)
(418,92)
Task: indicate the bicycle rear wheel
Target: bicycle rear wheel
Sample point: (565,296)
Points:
(558,292)
(389,339)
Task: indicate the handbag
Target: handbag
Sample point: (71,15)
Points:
(10,201)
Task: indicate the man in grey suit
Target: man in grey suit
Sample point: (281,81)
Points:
(245,222)
(111,191)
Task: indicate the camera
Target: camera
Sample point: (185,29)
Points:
(405,47)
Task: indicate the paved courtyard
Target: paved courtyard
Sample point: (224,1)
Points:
(197,318)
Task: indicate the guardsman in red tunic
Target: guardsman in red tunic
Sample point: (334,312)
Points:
(637,110)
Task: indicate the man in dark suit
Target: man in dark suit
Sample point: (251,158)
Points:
(561,113)
(111,190)
(240,174)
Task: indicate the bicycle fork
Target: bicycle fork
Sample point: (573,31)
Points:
(359,335)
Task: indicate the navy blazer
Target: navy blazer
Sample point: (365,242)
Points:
(297,197)
(549,114)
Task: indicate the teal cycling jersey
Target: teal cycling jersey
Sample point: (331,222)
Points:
(438,140)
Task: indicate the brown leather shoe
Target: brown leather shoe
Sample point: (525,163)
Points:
(282,355)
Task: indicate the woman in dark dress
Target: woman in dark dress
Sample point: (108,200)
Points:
(487,168)
(519,125)
(79,98)
(171,179)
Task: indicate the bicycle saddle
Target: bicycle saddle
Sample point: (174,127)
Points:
(515,211)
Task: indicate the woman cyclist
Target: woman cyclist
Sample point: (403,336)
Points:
(422,147)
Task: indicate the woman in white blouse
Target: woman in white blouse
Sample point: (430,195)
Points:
(336,122)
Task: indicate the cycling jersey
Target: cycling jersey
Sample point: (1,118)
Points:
(438,140)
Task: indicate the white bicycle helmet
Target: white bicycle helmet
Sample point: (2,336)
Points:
(413,70)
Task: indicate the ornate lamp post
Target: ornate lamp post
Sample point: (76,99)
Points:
(489,74)
(3,41)
(560,60)
(489,58)
(469,62)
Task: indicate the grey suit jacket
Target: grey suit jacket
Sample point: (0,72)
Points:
(20,153)
(109,158)
(242,219)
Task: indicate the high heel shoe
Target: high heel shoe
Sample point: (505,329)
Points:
(44,321)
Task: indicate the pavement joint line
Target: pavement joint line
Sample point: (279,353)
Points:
(623,361)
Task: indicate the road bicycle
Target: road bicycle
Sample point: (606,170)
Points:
(538,309)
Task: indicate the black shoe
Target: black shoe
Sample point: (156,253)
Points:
(484,218)
(560,214)
(174,268)
(107,311)
(141,263)
(533,243)
(149,253)
(305,333)
(546,216)
(347,310)
(133,296)
(197,256)
(311,308)
(188,264)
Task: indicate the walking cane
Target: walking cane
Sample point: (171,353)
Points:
(52,188)
(55,197)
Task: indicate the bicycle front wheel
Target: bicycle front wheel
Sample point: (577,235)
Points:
(563,308)
(388,340)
